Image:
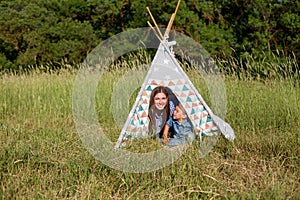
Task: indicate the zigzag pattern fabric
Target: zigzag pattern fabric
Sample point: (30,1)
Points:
(200,118)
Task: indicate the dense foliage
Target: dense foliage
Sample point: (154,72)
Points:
(34,32)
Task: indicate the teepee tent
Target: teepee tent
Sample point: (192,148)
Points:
(166,71)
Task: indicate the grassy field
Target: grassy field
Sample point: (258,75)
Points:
(42,156)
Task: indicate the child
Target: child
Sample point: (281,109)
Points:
(182,128)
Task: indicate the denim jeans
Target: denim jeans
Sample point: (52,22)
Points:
(187,139)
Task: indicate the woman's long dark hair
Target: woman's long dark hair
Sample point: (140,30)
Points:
(153,109)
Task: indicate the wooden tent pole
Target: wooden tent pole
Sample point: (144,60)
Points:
(178,3)
(161,37)
(171,20)
(155,33)
(169,26)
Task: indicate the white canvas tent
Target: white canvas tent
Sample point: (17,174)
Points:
(166,71)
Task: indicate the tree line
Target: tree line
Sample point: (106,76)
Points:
(35,32)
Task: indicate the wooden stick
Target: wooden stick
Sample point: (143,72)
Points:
(155,32)
(171,20)
(177,7)
(154,22)
(169,26)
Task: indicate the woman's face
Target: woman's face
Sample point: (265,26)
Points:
(160,101)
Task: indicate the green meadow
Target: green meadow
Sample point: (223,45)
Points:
(43,157)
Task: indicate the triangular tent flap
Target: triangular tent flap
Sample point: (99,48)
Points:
(166,71)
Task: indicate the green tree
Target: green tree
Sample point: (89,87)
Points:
(109,17)
(38,32)
(262,26)
(195,18)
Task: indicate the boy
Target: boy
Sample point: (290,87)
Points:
(182,128)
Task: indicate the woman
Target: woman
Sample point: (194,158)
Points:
(161,108)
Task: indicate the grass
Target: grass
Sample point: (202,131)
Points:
(42,156)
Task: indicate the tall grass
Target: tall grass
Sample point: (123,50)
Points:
(271,65)
(42,157)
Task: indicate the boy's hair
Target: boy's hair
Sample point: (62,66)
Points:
(182,109)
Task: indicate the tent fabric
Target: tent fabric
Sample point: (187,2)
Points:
(165,71)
